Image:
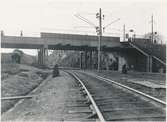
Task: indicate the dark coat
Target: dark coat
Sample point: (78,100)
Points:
(56,71)
(124,69)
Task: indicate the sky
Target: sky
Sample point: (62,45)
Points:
(35,16)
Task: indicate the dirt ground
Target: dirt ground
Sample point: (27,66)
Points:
(19,80)
(53,101)
(59,99)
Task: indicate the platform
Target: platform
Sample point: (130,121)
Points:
(147,83)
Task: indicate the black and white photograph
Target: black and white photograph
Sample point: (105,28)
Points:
(83,60)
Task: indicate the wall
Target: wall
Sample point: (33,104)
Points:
(135,60)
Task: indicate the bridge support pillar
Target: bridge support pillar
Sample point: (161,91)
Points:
(81,59)
(42,56)
(95,58)
(86,59)
(90,59)
(40,61)
(121,62)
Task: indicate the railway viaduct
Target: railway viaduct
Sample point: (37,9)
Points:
(85,43)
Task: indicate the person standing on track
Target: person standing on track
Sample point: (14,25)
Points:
(56,71)
(124,69)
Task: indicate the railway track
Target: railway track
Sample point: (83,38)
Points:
(111,101)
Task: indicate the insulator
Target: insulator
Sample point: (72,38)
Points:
(97,15)
(103,16)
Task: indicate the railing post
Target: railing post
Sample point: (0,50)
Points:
(86,59)
(91,64)
(81,54)
(150,63)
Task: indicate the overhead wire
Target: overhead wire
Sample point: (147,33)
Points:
(112,23)
(85,20)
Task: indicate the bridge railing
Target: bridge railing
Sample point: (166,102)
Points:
(157,50)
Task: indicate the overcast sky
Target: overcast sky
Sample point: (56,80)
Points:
(35,16)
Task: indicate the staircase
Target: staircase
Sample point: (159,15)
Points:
(157,51)
(153,52)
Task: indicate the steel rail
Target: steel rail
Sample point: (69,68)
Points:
(100,115)
(131,89)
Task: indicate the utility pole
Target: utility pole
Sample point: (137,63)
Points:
(98,15)
(21,33)
(2,33)
(124,32)
(99,28)
(152,31)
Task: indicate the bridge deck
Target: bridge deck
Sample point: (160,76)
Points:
(60,41)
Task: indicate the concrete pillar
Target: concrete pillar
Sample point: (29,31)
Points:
(90,57)
(39,57)
(107,63)
(45,53)
(81,59)
(86,59)
(121,62)
(105,60)
(95,55)
(42,56)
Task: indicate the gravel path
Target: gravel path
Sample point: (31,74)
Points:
(52,102)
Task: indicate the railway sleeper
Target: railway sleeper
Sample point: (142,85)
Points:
(124,109)
(93,115)
(131,91)
(80,105)
(79,111)
(88,102)
(84,93)
(116,102)
(99,98)
(137,117)
(81,89)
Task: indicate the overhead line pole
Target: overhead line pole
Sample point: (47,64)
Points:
(98,30)
(100,37)
(124,37)
(152,31)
